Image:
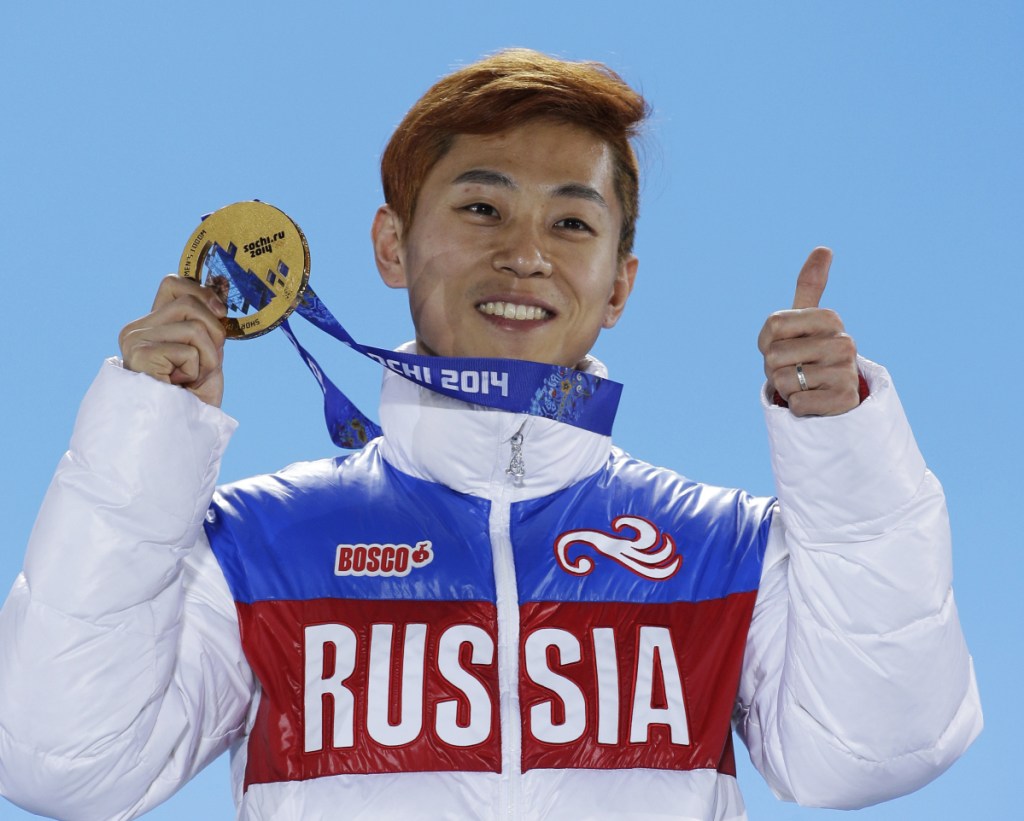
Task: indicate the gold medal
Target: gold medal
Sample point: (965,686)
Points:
(256,258)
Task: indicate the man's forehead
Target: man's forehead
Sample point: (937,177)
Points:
(567,160)
(577,139)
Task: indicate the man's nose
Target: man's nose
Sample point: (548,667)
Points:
(521,252)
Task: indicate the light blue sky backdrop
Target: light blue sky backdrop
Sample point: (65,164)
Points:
(891,131)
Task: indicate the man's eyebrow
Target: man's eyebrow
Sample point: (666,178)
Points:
(484,176)
(581,191)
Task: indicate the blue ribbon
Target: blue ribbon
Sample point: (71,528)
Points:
(520,386)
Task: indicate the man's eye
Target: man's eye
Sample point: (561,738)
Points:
(482,209)
(573,224)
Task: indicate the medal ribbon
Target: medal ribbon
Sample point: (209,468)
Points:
(548,391)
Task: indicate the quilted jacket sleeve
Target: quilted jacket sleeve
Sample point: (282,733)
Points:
(857,685)
(122,674)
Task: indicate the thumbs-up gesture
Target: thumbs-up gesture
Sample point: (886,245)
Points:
(808,356)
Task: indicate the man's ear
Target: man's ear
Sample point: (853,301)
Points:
(621,289)
(387,247)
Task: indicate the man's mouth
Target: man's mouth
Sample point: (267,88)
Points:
(511,310)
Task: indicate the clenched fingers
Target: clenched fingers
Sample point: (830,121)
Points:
(831,389)
(181,341)
(163,349)
(828,362)
(173,287)
(794,323)
(824,350)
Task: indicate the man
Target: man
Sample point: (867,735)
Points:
(486,614)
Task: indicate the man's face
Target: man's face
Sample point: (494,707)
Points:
(513,251)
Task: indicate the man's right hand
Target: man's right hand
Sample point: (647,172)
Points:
(181,341)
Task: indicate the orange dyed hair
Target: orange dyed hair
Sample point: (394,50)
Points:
(506,90)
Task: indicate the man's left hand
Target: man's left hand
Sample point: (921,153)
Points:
(810,342)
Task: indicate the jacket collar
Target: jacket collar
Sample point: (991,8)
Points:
(469,447)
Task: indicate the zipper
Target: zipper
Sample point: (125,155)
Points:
(516,464)
(507,606)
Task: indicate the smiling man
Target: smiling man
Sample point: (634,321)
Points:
(515,251)
(484,613)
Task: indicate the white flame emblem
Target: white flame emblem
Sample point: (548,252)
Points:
(650,554)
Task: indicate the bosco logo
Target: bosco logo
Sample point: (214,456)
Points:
(381,559)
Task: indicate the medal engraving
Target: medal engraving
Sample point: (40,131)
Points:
(256,258)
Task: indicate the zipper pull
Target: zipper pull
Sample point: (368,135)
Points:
(517,466)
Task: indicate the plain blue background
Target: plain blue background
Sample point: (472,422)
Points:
(890,131)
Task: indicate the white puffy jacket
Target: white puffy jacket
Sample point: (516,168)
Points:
(856,684)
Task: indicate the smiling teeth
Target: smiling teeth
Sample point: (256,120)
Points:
(509,310)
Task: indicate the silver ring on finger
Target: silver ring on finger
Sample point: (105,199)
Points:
(800,376)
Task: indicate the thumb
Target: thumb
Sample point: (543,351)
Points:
(810,284)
